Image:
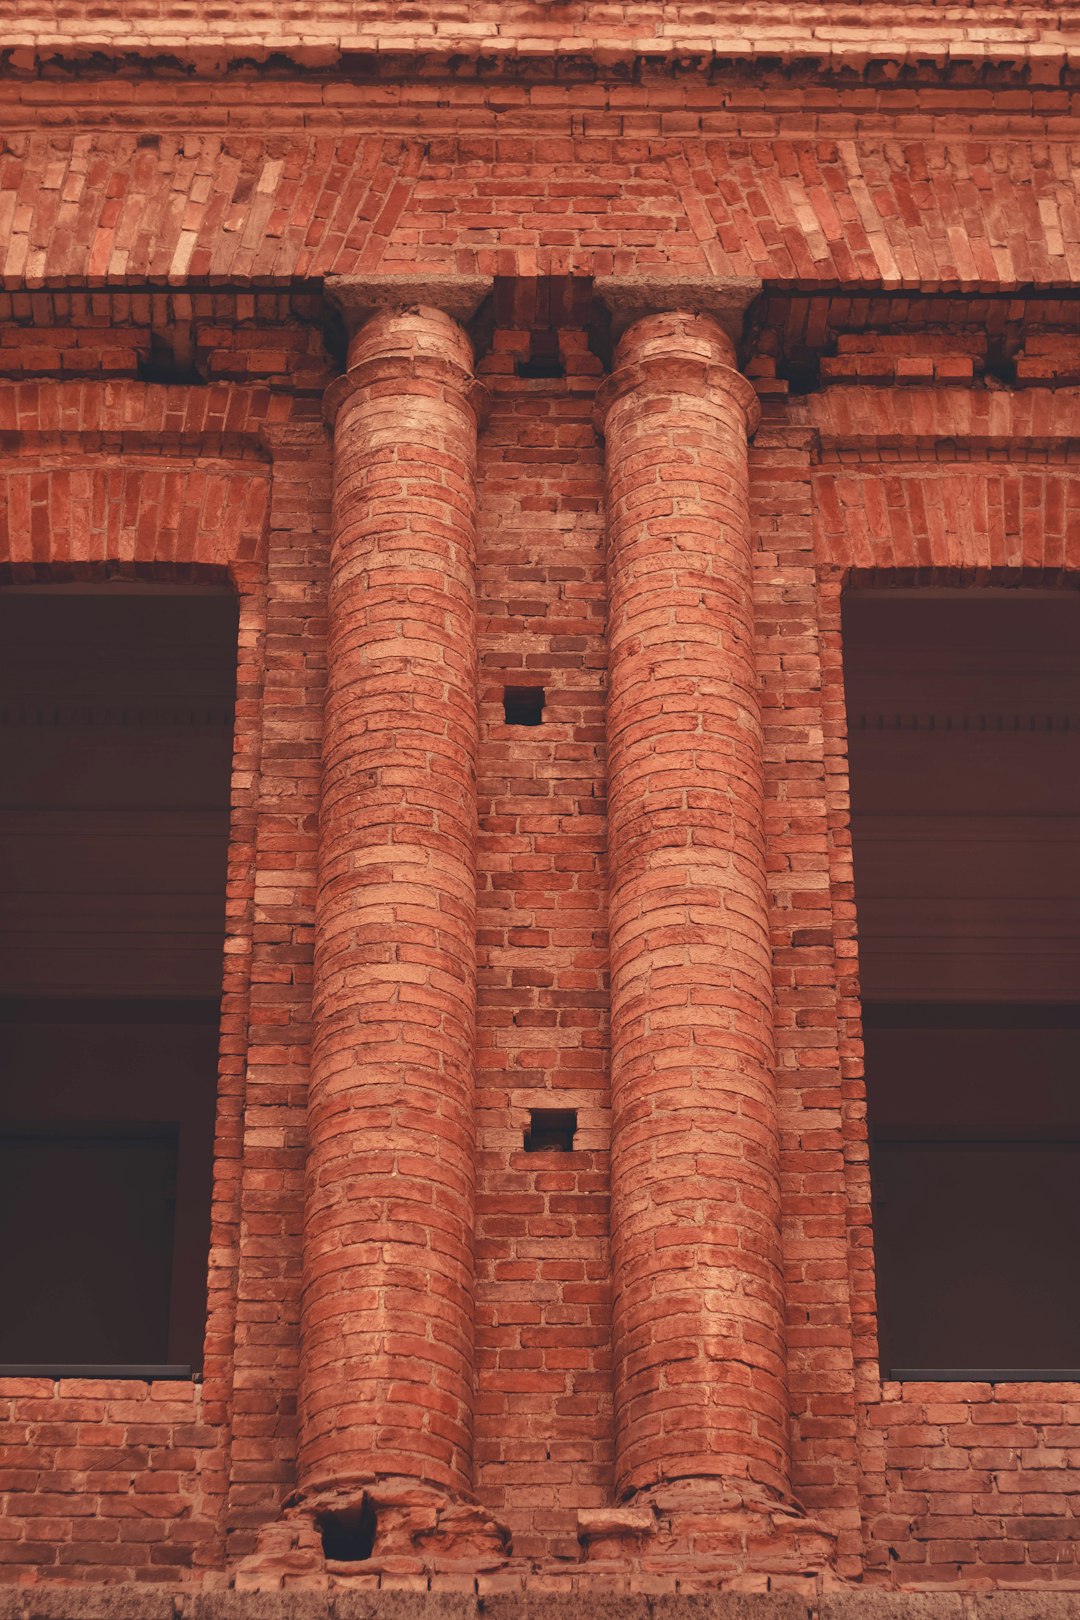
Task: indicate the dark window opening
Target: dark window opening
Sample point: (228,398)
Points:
(551,1130)
(964,740)
(523,705)
(348,1534)
(116,719)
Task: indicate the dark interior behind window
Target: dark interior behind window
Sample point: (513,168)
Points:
(116,718)
(964,739)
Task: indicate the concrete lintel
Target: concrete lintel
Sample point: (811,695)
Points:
(628,298)
(358,297)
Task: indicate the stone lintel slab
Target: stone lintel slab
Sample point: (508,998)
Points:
(359,297)
(625,299)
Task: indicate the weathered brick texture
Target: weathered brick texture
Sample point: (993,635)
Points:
(699,1360)
(386,1382)
(543,1328)
(254,261)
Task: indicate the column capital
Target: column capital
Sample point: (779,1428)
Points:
(626,299)
(676,351)
(400,343)
(360,297)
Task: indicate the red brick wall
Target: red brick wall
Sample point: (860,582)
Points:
(814,1187)
(973,1481)
(147,1481)
(106,1480)
(261,1301)
(543,1446)
(177,227)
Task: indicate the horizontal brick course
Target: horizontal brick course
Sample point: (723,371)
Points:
(208,35)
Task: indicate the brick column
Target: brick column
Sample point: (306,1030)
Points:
(387,1341)
(699,1346)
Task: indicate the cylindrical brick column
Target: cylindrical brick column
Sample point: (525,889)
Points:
(387,1358)
(700,1364)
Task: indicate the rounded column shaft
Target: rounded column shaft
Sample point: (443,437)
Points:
(700,1363)
(387,1363)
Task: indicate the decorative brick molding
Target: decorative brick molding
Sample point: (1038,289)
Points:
(948,423)
(965,481)
(622,36)
(870,214)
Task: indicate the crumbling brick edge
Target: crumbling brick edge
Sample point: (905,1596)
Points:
(132,1602)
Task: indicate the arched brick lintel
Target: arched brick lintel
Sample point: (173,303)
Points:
(135,475)
(947,486)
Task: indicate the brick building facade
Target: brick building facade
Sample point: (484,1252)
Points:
(539,382)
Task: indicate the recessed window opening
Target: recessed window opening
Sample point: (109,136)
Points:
(116,720)
(964,743)
(523,705)
(551,1130)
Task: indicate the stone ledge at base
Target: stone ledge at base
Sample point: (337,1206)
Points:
(129,1602)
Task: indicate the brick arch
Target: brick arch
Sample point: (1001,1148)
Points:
(953,522)
(187,518)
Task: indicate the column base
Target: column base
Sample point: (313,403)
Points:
(710,1532)
(370,1529)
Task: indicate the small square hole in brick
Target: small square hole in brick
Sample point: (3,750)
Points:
(348,1534)
(551,1130)
(544,358)
(523,705)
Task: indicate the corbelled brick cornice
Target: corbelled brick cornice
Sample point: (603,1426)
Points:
(499,34)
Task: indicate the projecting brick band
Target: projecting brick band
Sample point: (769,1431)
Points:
(700,1367)
(387,1359)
